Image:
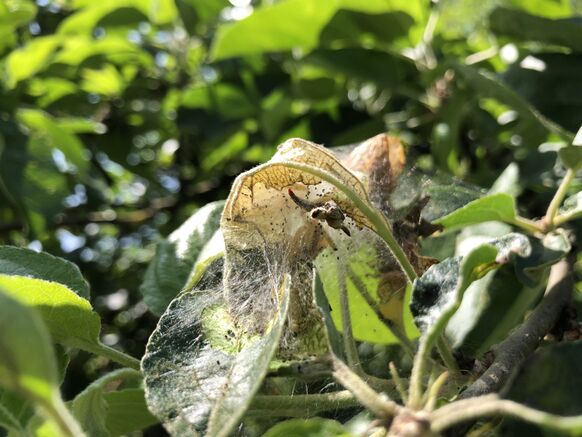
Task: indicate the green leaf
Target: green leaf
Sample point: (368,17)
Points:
(25,262)
(571,155)
(27,361)
(315,427)
(69,318)
(23,63)
(192,386)
(279,27)
(523,26)
(494,207)
(99,413)
(127,411)
(168,272)
(30,178)
(548,381)
(439,291)
(293,24)
(15,410)
(487,86)
(549,82)
(382,68)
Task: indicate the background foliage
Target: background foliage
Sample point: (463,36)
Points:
(119,119)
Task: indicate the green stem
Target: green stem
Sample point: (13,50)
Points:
(435,390)
(350,348)
(527,225)
(58,412)
(381,225)
(447,355)
(113,355)
(398,382)
(559,197)
(491,405)
(304,405)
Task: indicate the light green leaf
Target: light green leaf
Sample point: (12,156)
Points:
(26,262)
(494,207)
(194,387)
(168,272)
(27,361)
(69,318)
(279,27)
(21,64)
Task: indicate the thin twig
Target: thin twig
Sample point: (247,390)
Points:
(511,353)
(398,382)
(491,405)
(379,404)
(434,391)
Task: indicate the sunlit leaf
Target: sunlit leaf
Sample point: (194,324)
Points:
(30,59)
(25,262)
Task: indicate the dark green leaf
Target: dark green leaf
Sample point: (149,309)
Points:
(316,427)
(194,387)
(571,155)
(494,207)
(548,381)
(384,69)
(488,86)
(127,411)
(26,262)
(521,25)
(175,257)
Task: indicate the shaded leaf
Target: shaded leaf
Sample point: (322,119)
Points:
(127,411)
(521,25)
(26,262)
(97,411)
(168,272)
(385,69)
(487,86)
(191,385)
(548,381)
